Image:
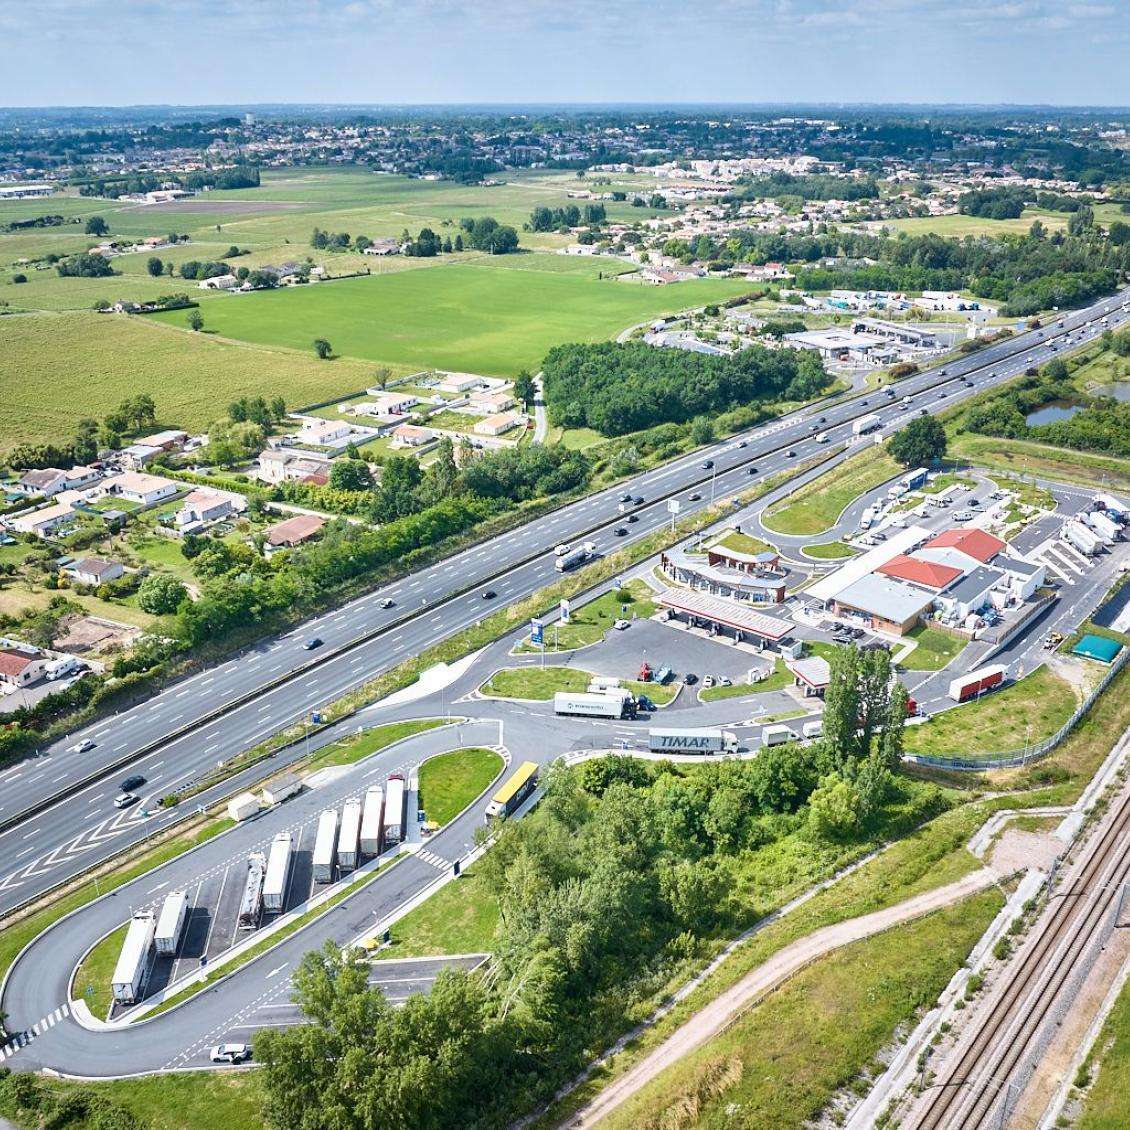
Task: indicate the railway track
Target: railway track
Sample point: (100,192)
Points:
(981,1081)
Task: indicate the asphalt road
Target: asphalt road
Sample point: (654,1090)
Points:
(82,827)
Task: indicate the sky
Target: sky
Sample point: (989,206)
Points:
(192,52)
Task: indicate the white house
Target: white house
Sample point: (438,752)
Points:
(323,433)
(204,506)
(43,522)
(386,403)
(136,486)
(492,402)
(497,424)
(277,465)
(94,570)
(46,482)
(410,435)
(382,246)
(19,668)
(219,282)
(462,382)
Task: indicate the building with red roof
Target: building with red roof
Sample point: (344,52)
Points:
(927,574)
(973,542)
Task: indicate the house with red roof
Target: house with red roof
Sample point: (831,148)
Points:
(972,542)
(926,574)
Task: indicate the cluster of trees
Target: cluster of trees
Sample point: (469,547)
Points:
(258,410)
(427,244)
(238,176)
(195,269)
(96,225)
(487,234)
(85,265)
(993,203)
(1102,425)
(617,388)
(625,872)
(920,443)
(809,186)
(337,241)
(554,219)
(25,1095)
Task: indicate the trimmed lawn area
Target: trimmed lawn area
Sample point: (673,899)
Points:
(781,1062)
(481,316)
(1107,1105)
(815,506)
(536,684)
(659,693)
(829,550)
(1022,457)
(935,649)
(450,781)
(744,543)
(778,679)
(349,750)
(999,722)
(588,623)
(92,978)
(577,439)
(459,918)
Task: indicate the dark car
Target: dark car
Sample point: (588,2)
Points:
(133,782)
(690,678)
(695,497)
(489,594)
(707,464)
(743,443)
(638,500)
(633,517)
(751,470)
(790,453)
(863,404)
(312,643)
(620,531)
(821,420)
(625,498)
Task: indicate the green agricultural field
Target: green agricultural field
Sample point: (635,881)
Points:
(56,369)
(957,227)
(487,316)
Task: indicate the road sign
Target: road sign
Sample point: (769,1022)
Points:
(565,610)
(674,506)
(536,632)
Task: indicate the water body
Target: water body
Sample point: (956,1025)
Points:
(1118,390)
(1052,413)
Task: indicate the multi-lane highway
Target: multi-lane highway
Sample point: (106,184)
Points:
(57,828)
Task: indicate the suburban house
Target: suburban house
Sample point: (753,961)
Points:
(278,465)
(203,507)
(410,435)
(657,276)
(50,481)
(136,486)
(462,382)
(219,282)
(43,522)
(294,531)
(19,668)
(386,403)
(93,570)
(383,246)
(324,433)
(137,455)
(497,424)
(170,440)
(492,402)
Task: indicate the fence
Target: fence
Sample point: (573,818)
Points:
(1034,753)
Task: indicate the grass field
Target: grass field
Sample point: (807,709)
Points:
(459,918)
(495,316)
(588,623)
(56,369)
(999,722)
(957,227)
(537,684)
(450,781)
(781,1062)
(743,543)
(829,551)
(349,750)
(1107,1106)
(778,679)
(1022,457)
(815,506)
(92,978)
(935,649)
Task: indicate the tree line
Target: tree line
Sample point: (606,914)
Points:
(626,876)
(621,387)
(570,216)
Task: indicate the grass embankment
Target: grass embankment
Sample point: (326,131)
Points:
(540,684)
(829,551)
(450,781)
(588,623)
(1001,722)
(816,505)
(781,1063)
(93,976)
(1023,457)
(779,678)
(15,936)
(743,543)
(459,918)
(349,750)
(935,649)
(1107,1105)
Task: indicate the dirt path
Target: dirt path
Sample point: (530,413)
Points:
(725,1008)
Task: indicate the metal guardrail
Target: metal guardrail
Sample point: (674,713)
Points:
(1016,759)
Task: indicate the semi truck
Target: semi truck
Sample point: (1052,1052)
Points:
(914,479)
(1082,538)
(510,796)
(132,968)
(777,735)
(575,557)
(170,923)
(1106,529)
(395,799)
(278,873)
(605,704)
(865,424)
(325,847)
(251,901)
(348,836)
(691,741)
(372,821)
(965,687)
(280,789)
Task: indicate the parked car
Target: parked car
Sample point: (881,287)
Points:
(83,746)
(690,678)
(133,781)
(124,800)
(312,643)
(620,625)
(230,1053)
(708,681)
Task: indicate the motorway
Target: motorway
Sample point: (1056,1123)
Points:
(56,830)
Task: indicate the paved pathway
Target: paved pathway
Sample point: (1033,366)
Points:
(728,1006)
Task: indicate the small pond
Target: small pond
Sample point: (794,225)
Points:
(1052,413)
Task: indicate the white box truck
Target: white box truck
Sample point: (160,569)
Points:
(278,872)
(348,835)
(133,962)
(372,821)
(1082,538)
(776,735)
(170,923)
(242,806)
(280,789)
(395,797)
(812,729)
(1103,526)
(606,704)
(691,741)
(865,424)
(325,846)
